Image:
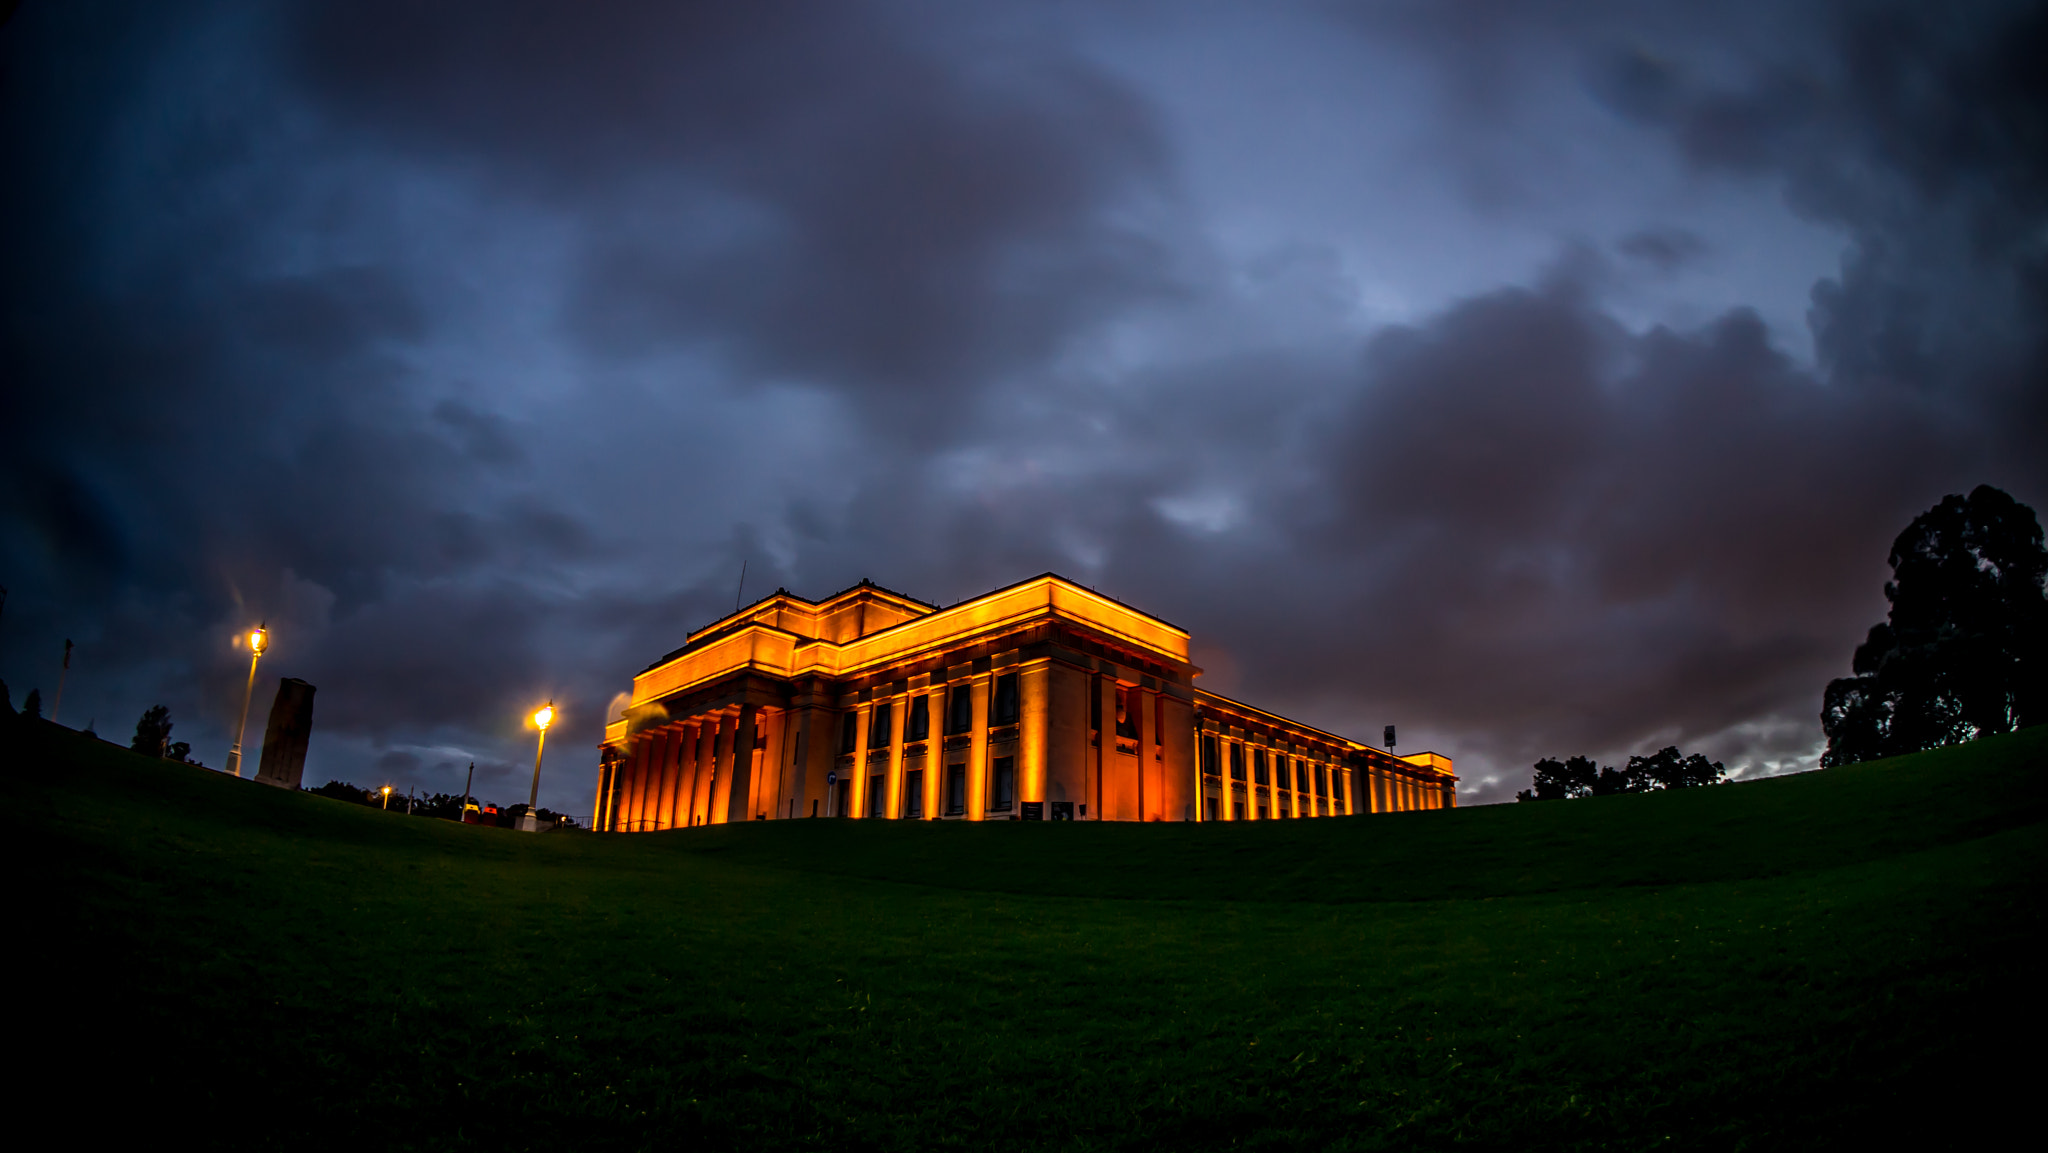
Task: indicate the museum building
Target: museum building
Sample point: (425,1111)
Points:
(1043,700)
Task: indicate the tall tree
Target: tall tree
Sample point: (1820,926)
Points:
(152,732)
(1965,645)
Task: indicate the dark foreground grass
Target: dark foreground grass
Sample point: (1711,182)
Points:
(1829,960)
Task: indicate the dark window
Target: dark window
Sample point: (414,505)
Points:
(1301,776)
(1209,808)
(1259,767)
(1262,811)
(913,795)
(1322,781)
(849,733)
(919,726)
(1237,810)
(842,801)
(1159,718)
(1236,761)
(1095,705)
(1005,785)
(880,724)
(1005,707)
(875,795)
(1127,705)
(959,709)
(1209,759)
(956,790)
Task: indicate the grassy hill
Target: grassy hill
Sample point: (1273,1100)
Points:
(1814,961)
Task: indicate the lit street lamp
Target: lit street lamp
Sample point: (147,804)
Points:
(530,823)
(258,641)
(386,790)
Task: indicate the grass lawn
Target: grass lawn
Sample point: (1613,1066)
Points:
(1843,958)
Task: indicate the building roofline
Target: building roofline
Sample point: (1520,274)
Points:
(735,624)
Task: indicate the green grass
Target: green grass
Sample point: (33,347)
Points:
(1833,959)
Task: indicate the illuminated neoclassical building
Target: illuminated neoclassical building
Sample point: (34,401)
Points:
(1042,700)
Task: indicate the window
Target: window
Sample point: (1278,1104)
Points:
(1095,705)
(849,732)
(1159,718)
(1127,706)
(956,790)
(1211,763)
(1005,705)
(1236,761)
(1263,815)
(1322,781)
(959,709)
(876,796)
(1209,808)
(1301,784)
(1237,809)
(1003,793)
(919,726)
(1259,767)
(881,724)
(913,795)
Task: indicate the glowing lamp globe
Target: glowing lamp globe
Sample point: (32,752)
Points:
(545,717)
(258,641)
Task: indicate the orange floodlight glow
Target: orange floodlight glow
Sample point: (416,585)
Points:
(545,717)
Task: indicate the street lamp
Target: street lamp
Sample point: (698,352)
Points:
(258,641)
(386,790)
(530,823)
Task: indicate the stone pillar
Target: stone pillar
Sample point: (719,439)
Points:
(892,776)
(740,805)
(864,719)
(980,685)
(1148,772)
(707,770)
(1034,730)
(665,777)
(285,737)
(718,796)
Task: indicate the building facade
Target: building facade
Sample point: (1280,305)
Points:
(1043,700)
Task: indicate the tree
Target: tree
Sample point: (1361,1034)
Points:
(32,705)
(152,732)
(1580,777)
(1666,769)
(1963,650)
(1562,780)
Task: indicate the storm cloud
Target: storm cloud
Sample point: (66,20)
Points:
(1541,382)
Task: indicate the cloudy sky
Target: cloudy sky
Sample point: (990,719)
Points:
(1543,383)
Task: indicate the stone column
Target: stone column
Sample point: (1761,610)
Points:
(1148,774)
(665,777)
(1034,731)
(892,777)
(740,806)
(979,687)
(718,803)
(858,795)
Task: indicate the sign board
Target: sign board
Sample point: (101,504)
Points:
(1034,810)
(1063,810)
(832,778)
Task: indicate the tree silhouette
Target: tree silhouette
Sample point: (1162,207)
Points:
(152,732)
(1962,652)
(1579,777)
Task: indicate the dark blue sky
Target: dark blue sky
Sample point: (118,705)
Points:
(1544,383)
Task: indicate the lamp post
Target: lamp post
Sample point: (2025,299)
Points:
(258,641)
(530,823)
(386,790)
